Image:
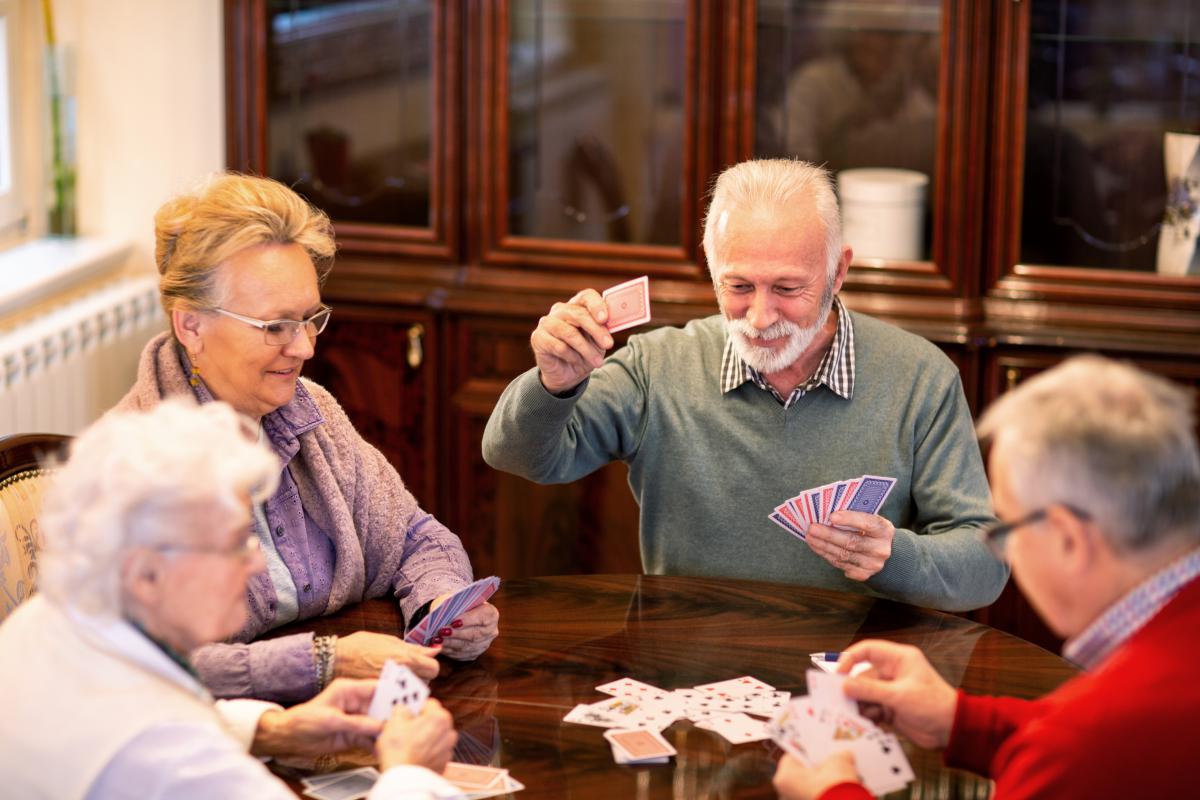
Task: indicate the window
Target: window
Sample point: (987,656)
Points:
(10,201)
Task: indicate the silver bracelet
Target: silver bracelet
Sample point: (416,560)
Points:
(324,652)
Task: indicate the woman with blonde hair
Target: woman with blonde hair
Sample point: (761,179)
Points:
(241,261)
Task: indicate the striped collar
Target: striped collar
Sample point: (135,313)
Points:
(835,371)
(1126,617)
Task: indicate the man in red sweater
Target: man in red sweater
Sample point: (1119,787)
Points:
(1096,478)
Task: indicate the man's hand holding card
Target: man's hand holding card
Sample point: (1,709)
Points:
(840,522)
(574,337)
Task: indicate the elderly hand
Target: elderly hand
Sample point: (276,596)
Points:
(470,634)
(362,655)
(794,780)
(859,545)
(332,722)
(916,700)
(426,740)
(571,340)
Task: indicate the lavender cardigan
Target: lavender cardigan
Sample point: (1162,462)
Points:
(343,523)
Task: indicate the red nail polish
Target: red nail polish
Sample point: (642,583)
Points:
(446,632)
(436,640)
(458,623)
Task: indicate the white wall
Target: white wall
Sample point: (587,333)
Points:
(149,81)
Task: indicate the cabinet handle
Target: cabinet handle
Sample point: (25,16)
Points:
(416,352)
(1012,376)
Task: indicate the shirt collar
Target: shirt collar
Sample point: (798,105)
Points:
(1128,615)
(836,370)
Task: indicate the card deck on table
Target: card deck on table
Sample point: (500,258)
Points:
(639,747)
(628,304)
(397,684)
(474,778)
(455,605)
(347,785)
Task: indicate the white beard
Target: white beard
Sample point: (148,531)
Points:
(769,360)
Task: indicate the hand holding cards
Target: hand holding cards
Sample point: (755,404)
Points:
(459,603)
(826,721)
(397,684)
(865,493)
(628,304)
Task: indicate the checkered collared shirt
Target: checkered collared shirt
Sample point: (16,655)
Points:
(836,369)
(1126,617)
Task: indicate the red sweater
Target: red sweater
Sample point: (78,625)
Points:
(1129,729)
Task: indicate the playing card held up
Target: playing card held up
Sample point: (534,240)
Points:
(628,304)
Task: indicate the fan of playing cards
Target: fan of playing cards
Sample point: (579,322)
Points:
(826,721)
(458,603)
(865,493)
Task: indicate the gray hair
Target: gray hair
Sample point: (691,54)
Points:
(775,184)
(131,480)
(1108,438)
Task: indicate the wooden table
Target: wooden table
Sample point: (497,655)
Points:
(562,636)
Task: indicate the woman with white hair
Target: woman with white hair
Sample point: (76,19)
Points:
(148,547)
(242,260)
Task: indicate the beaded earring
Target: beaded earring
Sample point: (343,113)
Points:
(194,377)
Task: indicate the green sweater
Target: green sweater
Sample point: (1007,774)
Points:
(707,468)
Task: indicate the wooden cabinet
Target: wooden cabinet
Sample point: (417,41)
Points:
(483,159)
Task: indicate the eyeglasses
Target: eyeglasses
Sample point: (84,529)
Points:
(996,536)
(243,551)
(279,332)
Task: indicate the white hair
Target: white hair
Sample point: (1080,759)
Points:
(133,479)
(1109,439)
(775,184)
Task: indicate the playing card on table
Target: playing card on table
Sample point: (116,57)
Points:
(459,603)
(736,728)
(639,747)
(628,304)
(623,712)
(628,687)
(397,684)
(736,686)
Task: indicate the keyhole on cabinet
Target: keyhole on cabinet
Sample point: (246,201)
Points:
(416,352)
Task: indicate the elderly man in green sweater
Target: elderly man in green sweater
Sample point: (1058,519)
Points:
(724,419)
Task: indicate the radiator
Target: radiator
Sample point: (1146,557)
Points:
(61,371)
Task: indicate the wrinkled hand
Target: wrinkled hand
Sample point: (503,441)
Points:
(795,780)
(916,700)
(468,636)
(859,546)
(426,740)
(362,655)
(571,340)
(332,722)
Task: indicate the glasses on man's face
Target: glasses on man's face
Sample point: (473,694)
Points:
(279,332)
(996,536)
(242,551)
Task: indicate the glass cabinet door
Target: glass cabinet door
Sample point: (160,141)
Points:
(355,112)
(593,154)
(1112,110)
(855,86)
